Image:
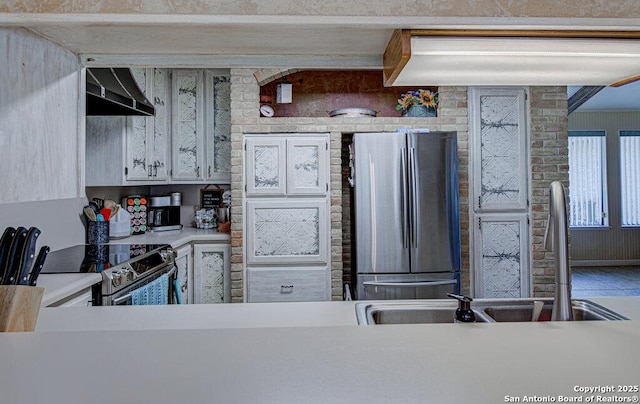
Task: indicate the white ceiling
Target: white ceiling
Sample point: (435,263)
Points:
(267,41)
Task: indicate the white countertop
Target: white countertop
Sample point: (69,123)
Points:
(327,363)
(175,238)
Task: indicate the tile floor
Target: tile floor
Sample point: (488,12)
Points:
(605,281)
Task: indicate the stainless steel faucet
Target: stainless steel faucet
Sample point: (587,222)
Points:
(557,240)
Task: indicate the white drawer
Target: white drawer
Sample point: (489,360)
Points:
(288,285)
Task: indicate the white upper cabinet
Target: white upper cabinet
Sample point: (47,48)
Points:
(266,166)
(188,140)
(201,126)
(147,136)
(287,166)
(188,124)
(217,139)
(307,166)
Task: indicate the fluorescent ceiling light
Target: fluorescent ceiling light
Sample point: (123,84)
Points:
(441,60)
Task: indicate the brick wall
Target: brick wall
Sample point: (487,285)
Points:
(549,162)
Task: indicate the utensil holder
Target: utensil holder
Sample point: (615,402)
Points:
(19,307)
(98,233)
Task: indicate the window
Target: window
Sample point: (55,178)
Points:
(630,176)
(587,179)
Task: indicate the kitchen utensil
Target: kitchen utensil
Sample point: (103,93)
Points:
(27,255)
(38,264)
(99,202)
(537,309)
(94,206)
(109,203)
(12,268)
(106,213)
(5,244)
(89,213)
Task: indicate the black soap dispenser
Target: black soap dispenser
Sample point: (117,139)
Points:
(464,314)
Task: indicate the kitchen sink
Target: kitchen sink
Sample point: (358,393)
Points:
(485,310)
(411,312)
(521,310)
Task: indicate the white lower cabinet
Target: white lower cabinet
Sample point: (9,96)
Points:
(184,264)
(82,298)
(211,273)
(288,285)
(204,273)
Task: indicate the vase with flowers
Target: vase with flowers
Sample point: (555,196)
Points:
(419,103)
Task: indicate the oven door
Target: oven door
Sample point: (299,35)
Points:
(123,297)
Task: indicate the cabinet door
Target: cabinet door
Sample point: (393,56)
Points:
(287,231)
(137,134)
(307,166)
(502,256)
(211,273)
(500,163)
(184,263)
(105,150)
(147,136)
(187,125)
(158,144)
(266,166)
(217,139)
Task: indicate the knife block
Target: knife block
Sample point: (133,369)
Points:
(19,307)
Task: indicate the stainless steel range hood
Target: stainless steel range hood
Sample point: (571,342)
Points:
(114,91)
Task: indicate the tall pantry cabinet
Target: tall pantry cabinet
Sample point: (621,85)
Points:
(287,223)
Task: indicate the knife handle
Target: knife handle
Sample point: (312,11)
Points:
(12,268)
(27,256)
(37,266)
(5,245)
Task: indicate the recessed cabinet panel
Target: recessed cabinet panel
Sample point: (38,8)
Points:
(266,167)
(218,126)
(292,231)
(502,264)
(307,166)
(188,122)
(212,273)
(288,285)
(501,142)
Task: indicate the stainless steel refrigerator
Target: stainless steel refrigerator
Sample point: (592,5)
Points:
(407,224)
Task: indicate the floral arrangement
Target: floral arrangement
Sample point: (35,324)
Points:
(420,97)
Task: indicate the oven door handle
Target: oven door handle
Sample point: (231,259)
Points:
(118,300)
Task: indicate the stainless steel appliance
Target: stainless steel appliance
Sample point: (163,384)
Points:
(124,268)
(164,213)
(407,226)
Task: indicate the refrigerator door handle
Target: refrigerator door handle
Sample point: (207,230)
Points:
(412,284)
(404,198)
(413,197)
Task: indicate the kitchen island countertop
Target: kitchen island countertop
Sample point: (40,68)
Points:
(330,362)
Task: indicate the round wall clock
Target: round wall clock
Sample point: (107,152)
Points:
(266,110)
